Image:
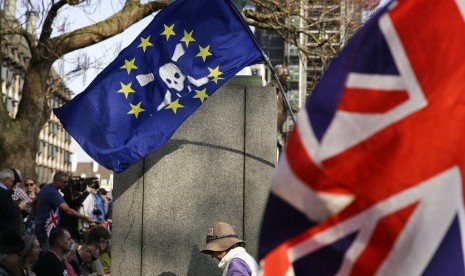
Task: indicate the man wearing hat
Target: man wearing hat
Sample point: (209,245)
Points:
(11,250)
(223,245)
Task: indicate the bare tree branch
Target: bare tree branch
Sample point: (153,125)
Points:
(51,15)
(81,38)
(30,39)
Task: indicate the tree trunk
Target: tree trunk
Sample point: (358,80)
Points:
(15,140)
(20,136)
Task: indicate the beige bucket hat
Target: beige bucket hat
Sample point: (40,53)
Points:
(220,238)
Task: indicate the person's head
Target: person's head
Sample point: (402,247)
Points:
(11,250)
(99,236)
(220,239)
(32,249)
(103,193)
(89,253)
(282,72)
(30,185)
(95,186)
(60,240)
(7,177)
(60,179)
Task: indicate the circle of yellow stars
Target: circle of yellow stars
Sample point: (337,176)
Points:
(168,31)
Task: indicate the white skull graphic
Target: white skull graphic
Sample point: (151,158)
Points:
(172,76)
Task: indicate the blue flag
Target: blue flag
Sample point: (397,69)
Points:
(189,50)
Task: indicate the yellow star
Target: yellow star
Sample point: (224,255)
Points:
(136,109)
(126,89)
(168,31)
(174,106)
(201,94)
(145,42)
(129,65)
(204,52)
(187,38)
(215,74)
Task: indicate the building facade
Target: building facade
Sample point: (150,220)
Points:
(54,142)
(337,20)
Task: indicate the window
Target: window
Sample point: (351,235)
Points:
(67,138)
(9,105)
(52,151)
(67,157)
(41,147)
(52,129)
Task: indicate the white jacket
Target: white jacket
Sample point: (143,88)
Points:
(86,209)
(240,253)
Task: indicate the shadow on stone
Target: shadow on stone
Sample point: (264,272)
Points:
(167,273)
(175,144)
(130,176)
(201,264)
(127,178)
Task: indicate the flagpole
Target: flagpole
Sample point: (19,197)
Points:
(267,59)
(285,100)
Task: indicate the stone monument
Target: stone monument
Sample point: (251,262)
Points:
(217,167)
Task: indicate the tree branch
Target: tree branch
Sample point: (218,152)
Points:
(51,15)
(131,13)
(30,39)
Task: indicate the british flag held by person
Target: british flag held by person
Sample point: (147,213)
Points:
(52,221)
(371,178)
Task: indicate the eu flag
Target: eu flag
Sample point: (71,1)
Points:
(134,105)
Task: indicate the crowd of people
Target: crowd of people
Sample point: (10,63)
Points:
(50,230)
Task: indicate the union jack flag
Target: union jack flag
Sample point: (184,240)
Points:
(52,221)
(370,181)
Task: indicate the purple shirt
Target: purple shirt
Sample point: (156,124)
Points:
(237,267)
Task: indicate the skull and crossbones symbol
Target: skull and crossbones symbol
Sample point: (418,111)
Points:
(173,78)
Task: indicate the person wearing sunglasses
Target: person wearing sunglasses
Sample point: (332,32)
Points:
(84,257)
(49,204)
(19,194)
(31,188)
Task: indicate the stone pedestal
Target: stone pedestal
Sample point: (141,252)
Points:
(217,167)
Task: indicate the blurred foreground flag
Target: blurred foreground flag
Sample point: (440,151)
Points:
(189,50)
(371,181)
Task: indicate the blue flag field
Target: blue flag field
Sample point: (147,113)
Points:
(189,50)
